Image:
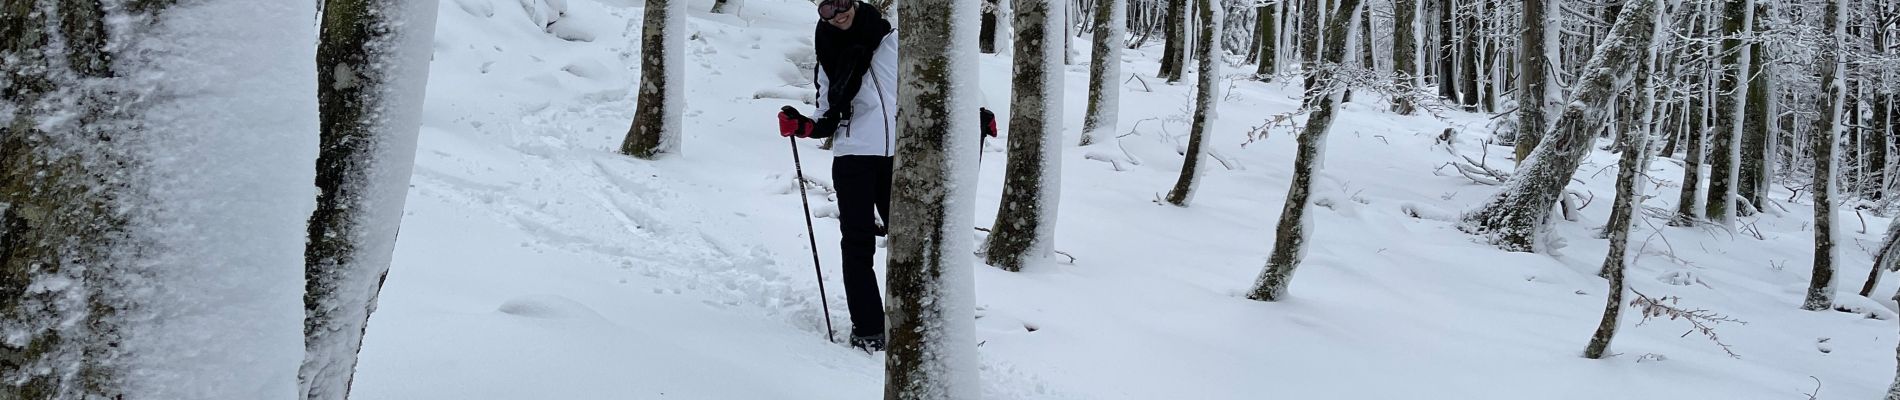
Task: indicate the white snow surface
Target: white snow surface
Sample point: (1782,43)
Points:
(536,263)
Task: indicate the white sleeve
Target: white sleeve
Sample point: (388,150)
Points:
(824,102)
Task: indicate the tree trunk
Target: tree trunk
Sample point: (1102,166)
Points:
(1535,93)
(1513,218)
(1753,182)
(1206,100)
(1826,128)
(1447,75)
(152,196)
(1686,211)
(719,7)
(1405,54)
(1269,41)
(1174,54)
(657,110)
(1468,74)
(1723,148)
(1289,242)
(1312,14)
(1105,74)
(62,212)
(369,121)
(930,285)
(986,32)
(1025,223)
(1883,259)
(1634,162)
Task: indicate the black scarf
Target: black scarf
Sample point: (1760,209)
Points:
(846,56)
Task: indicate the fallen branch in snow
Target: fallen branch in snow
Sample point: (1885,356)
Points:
(1817,388)
(1137,78)
(1700,320)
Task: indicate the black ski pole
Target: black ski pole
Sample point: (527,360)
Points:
(810,233)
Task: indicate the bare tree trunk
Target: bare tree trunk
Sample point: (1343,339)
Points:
(1753,183)
(1311,16)
(1826,128)
(1174,54)
(1269,42)
(657,110)
(1469,67)
(1535,92)
(1723,146)
(1289,243)
(1513,218)
(1206,99)
(1025,223)
(1447,75)
(62,212)
(1405,54)
(370,121)
(1634,162)
(1105,73)
(930,285)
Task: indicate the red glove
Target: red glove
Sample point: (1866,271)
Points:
(989,122)
(791,123)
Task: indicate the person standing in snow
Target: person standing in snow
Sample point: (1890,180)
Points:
(857,103)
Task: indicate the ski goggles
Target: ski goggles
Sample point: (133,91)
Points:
(830,8)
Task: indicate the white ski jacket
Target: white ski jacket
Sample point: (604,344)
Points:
(872,129)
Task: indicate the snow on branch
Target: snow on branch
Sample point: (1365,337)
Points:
(1700,320)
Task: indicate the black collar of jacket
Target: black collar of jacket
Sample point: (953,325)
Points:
(846,56)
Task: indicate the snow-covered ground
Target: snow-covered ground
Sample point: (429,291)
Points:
(536,263)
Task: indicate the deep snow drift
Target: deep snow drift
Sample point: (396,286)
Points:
(535,263)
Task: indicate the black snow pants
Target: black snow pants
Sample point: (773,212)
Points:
(864,187)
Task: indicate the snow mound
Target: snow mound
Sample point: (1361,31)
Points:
(547,306)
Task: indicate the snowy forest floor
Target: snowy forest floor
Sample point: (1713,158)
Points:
(536,263)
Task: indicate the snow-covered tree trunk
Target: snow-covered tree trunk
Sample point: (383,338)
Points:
(1311,15)
(656,116)
(152,196)
(1753,184)
(1206,100)
(1724,149)
(1269,42)
(1174,53)
(1634,163)
(1405,54)
(373,65)
(1826,129)
(1289,242)
(931,286)
(1514,217)
(1693,150)
(1534,50)
(1026,221)
(1105,73)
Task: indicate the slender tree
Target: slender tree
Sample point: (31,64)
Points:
(1447,74)
(932,353)
(369,120)
(1753,183)
(1687,213)
(1405,54)
(1206,100)
(1827,128)
(1105,72)
(1269,42)
(1634,162)
(1535,45)
(1026,221)
(1468,69)
(1174,53)
(1312,14)
(1724,149)
(657,110)
(1514,218)
(1289,242)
